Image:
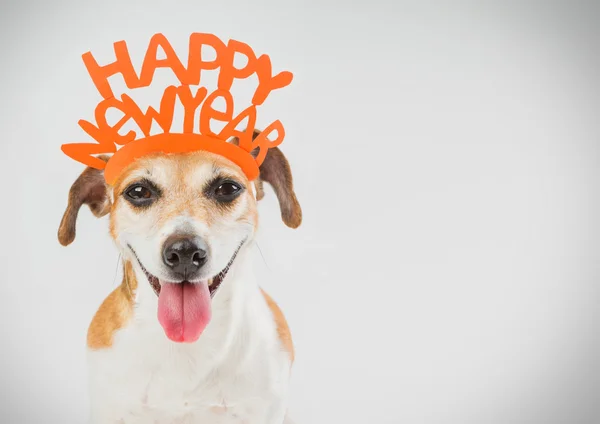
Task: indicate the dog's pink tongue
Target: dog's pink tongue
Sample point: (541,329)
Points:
(184,310)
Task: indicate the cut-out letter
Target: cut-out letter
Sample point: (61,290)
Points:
(151,62)
(122,65)
(195,62)
(208,112)
(190,105)
(228,70)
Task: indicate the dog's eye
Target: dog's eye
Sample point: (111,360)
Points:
(227,191)
(139,192)
(140,195)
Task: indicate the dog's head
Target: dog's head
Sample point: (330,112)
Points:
(182,218)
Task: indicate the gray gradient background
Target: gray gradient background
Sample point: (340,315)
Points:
(447,161)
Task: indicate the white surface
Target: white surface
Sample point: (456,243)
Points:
(447,164)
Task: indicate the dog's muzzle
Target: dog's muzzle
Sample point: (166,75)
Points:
(187,251)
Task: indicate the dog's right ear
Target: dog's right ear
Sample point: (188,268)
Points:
(89,189)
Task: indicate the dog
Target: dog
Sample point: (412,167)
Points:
(188,336)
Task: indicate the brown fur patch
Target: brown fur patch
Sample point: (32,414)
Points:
(114,313)
(88,189)
(260,190)
(283,330)
(276,171)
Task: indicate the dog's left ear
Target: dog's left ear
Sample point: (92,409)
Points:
(276,171)
(89,189)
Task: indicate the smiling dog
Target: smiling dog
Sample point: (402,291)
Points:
(188,336)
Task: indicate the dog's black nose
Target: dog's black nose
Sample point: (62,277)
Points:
(184,255)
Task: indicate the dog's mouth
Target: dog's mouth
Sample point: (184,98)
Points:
(213,283)
(184,308)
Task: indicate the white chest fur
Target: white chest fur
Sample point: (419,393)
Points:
(237,372)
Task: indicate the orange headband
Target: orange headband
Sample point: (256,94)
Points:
(107,136)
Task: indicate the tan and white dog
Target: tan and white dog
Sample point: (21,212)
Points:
(188,336)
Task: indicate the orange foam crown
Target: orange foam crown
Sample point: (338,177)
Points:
(107,136)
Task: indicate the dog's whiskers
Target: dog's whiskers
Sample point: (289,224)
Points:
(117,269)
(262,256)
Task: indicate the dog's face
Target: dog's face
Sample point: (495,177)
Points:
(181,219)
